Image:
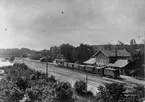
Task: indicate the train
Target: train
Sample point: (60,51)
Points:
(101,71)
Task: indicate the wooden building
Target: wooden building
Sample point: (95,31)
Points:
(121,64)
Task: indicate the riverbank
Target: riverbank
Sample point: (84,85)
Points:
(4,62)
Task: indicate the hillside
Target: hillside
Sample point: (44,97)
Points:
(16,52)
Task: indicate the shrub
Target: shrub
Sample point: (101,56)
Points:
(22,70)
(140,91)
(12,94)
(52,79)
(22,83)
(63,91)
(113,92)
(12,58)
(22,66)
(34,94)
(80,87)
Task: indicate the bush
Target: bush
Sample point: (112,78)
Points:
(22,83)
(22,66)
(52,79)
(34,94)
(113,92)
(63,91)
(138,93)
(80,87)
(22,70)
(12,94)
(12,59)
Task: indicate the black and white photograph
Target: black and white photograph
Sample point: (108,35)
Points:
(72,50)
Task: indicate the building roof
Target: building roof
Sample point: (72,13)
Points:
(110,69)
(119,63)
(112,53)
(122,53)
(90,61)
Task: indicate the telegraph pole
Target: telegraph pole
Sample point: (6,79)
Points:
(46,68)
(86,80)
(23,60)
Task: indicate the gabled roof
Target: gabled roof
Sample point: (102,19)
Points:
(111,53)
(119,63)
(123,53)
(90,61)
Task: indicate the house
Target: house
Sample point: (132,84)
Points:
(104,57)
(121,64)
(117,59)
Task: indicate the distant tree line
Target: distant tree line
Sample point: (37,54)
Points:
(77,54)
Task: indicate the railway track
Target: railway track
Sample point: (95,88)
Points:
(65,73)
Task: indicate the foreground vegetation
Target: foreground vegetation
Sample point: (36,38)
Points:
(22,84)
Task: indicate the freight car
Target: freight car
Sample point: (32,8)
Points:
(99,71)
(59,63)
(82,67)
(70,65)
(90,69)
(65,64)
(76,66)
(111,72)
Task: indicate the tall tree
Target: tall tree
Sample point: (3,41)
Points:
(133,44)
(55,52)
(67,50)
(120,45)
(84,52)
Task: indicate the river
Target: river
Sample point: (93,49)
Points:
(5,62)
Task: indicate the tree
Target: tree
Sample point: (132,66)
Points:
(121,45)
(22,83)
(45,53)
(55,51)
(133,44)
(63,92)
(108,46)
(84,52)
(12,58)
(66,51)
(136,62)
(80,87)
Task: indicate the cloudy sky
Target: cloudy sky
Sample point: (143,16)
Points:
(39,24)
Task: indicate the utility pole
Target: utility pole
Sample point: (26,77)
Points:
(23,60)
(46,68)
(86,80)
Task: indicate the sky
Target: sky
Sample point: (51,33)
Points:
(39,24)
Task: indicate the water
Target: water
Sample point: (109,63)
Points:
(5,62)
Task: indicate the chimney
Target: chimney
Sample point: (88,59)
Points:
(116,52)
